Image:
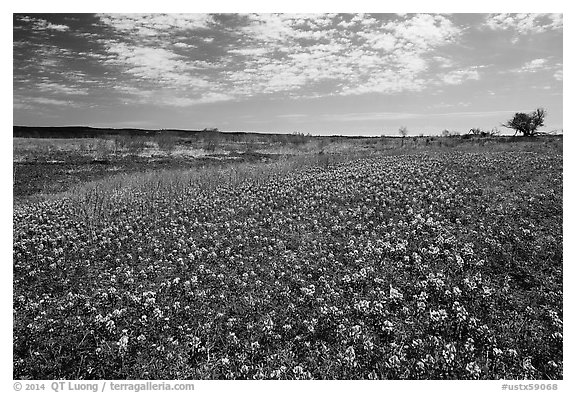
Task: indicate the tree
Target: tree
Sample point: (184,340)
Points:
(403,131)
(527,123)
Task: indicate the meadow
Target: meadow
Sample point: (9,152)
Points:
(423,258)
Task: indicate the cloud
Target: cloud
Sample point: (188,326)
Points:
(205,99)
(377,40)
(43,25)
(59,88)
(189,59)
(525,23)
(541,65)
(49,101)
(183,45)
(387,82)
(154,64)
(155,25)
(559,75)
(250,51)
(281,27)
(443,62)
(378,55)
(534,65)
(279,53)
(460,76)
(425,31)
(28,102)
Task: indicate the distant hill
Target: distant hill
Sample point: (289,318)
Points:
(93,132)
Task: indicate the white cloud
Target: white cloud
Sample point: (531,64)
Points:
(250,51)
(59,88)
(183,45)
(443,62)
(387,82)
(155,64)
(425,31)
(534,65)
(459,76)
(525,23)
(377,56)
(41,24)
(149,25)
(379,40)
(282,53)
(47,101)
(559,75)
(205,99)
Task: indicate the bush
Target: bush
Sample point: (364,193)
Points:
(211,142)
(133,145)
(166,142)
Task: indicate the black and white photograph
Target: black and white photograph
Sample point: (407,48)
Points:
(280,196)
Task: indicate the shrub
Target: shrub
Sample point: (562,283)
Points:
(166,142)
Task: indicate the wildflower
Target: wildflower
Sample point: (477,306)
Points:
(473,370)
(461,312)
(123,342)
(350,356)
(268,324)
(437,316)
(395,294)
(552,364)
(298,370)
(469,346)
(111,326)
(393,361)
(356,331)
(527,364)
(449,353)
(459,261)
(388,326)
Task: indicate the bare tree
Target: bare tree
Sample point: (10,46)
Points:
(403,131)
(527,123)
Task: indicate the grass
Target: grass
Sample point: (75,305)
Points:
(386,262)
(45,166)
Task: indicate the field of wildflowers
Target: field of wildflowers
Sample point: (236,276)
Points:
(417,266)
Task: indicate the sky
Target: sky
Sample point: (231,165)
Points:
(348,74)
